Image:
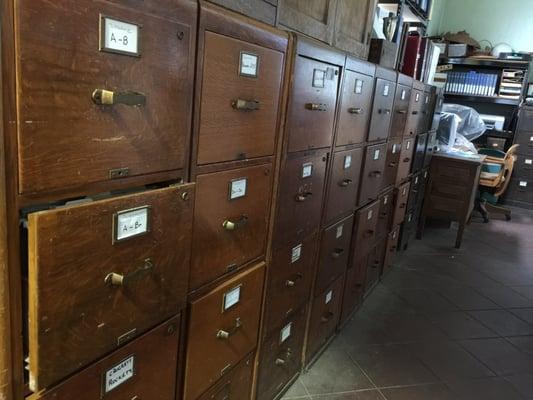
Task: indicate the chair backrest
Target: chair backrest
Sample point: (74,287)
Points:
(508,166)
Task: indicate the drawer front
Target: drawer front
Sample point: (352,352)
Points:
(424,121)
(353,290)
(240,99)
(289,281)
(394,147)
(281,356)
(235,385)
(334,252)
(524,166)
(375,265)
(300,197)
(101,273)
(98,136)
(143,369)
(343,183)
(414,114)
(406,158)
(525,119)
(365,230)
(439,102)
(408,228)
(496,143)
(431,148)
(414,191)
(381,110)
(400,111)
(520,189)
(223,328)
(400,206)
(312,105)
(420,152)
(386,212)
(525,140)
(392,248)
(325,316)
(355,108)
(373,172)
(231,214)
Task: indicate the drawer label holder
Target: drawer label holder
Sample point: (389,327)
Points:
(120,37)
(231,298)
(285,332)
(248,64)
(131,223)
(119,374)
(237,188)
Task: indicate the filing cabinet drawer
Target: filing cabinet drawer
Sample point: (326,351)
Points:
(343,183)
(392,248)
(438,102)
(355,108)
(373,172)
(524,166)
(521,189)
(353,289)
(431,147)
(381,110)
(143,369)
(420,152)
(312,104)
(235,385)
(386,211)
(400,111)
(406,158)
(334,252)
(301,189)
(374,265)
(223,328)
(113,108)
(365,229)
(231,216)
(281,357)
(240,98)
(408,228)
(325,316)
(400,207)
(414,114)
(394,148)
(414,191)
(101,273)
(525,140)
(424,121)
(289,281)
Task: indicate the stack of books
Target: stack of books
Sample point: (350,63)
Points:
(471,83)
(512,82)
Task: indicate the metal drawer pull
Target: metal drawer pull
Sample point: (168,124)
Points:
(104,97)
(223,335)
(280,361)
(337,253)
(316,106)
(303,196)
(327,317)
(355,110)
(291,283)
(392,164)
(345,182)
(114,279)
(230,225)
(384,111)
(246,105)
(401,111)
(415,113)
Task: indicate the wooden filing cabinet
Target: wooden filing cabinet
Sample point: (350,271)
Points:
(406,159)
(382,106)
(373,173)
(101,273)
(365,229)
(356,102)
(386,212)
(400,112)
(392,163)
(113,110)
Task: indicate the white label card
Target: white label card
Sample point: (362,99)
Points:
(408,145)
(347,162)
(118,36)
(370,215)
(385,200)
(404,94)
(296,253)
(319,78)
(376,154)
(404,191)
(416,180)
(528,161)
(410,217)
(394,148)
(286,332)
(531,138)
(329,296)
(427,99)
(307,170)
(417,97)
(237,188)
(249,64)
(386,90)
(359,86)
(523,183)
(339,231)
(119,374)
(232,298)
(131,223)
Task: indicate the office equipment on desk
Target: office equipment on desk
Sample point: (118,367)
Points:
(493,122)
(451,190)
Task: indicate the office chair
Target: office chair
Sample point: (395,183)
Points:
(494,180)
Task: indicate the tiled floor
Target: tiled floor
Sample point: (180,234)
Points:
(444,324)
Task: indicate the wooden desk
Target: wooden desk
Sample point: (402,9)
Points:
(451,191)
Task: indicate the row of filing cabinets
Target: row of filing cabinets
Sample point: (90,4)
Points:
(219,197)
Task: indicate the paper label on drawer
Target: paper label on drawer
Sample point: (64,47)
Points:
(359,86)
(370,215)
(296,253)
(531,138)
(119,36)
(427,100)
(394,148)
(237,188)
(119,374)
(528,161)
(416,180)
(386,90)
(131,223)
(408,145)
(410,217)
(425,175)
(523,183)
(249,64)
(347,162)
(285,332)
(232,298)
(404,191)
(385,200)
(307,170)
(329,296)
(339,231)
(404,94)
(376,154)
(319,78)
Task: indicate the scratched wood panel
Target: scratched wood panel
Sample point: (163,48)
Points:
(353,26)
(261,10)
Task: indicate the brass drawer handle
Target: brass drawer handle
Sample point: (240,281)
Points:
(104,97)
(316,106)
(224,335)
(280,361)
(114,279)
(345,182)
(337,253)
(355,110)
(246,105)
(230,225)
(303,196)
(401,111)
(385,111)
(327,317)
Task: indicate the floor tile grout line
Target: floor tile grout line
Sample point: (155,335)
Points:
(366,375)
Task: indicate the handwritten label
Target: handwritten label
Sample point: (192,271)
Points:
(285,332)
(376,154)
(237,188)
(528,161)
(232,298)
(296,253)
(359,86)
(523,183)
(131,223)
(329,296)
(118,36)
(249,64)
(307,170)
(347,162)
(339,231)
(319,78)
(119,374)
(394,148)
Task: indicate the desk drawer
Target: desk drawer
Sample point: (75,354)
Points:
(97,279)
(386,211)
(394,148)
(381,110)
(353,290)
(223,328)
(343,183)
(143,369)
(524,167)
(238,112)
(400,206)
(406,158)
(231,214)
(373,173)
(365,229)
(400,111)
(520,189)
